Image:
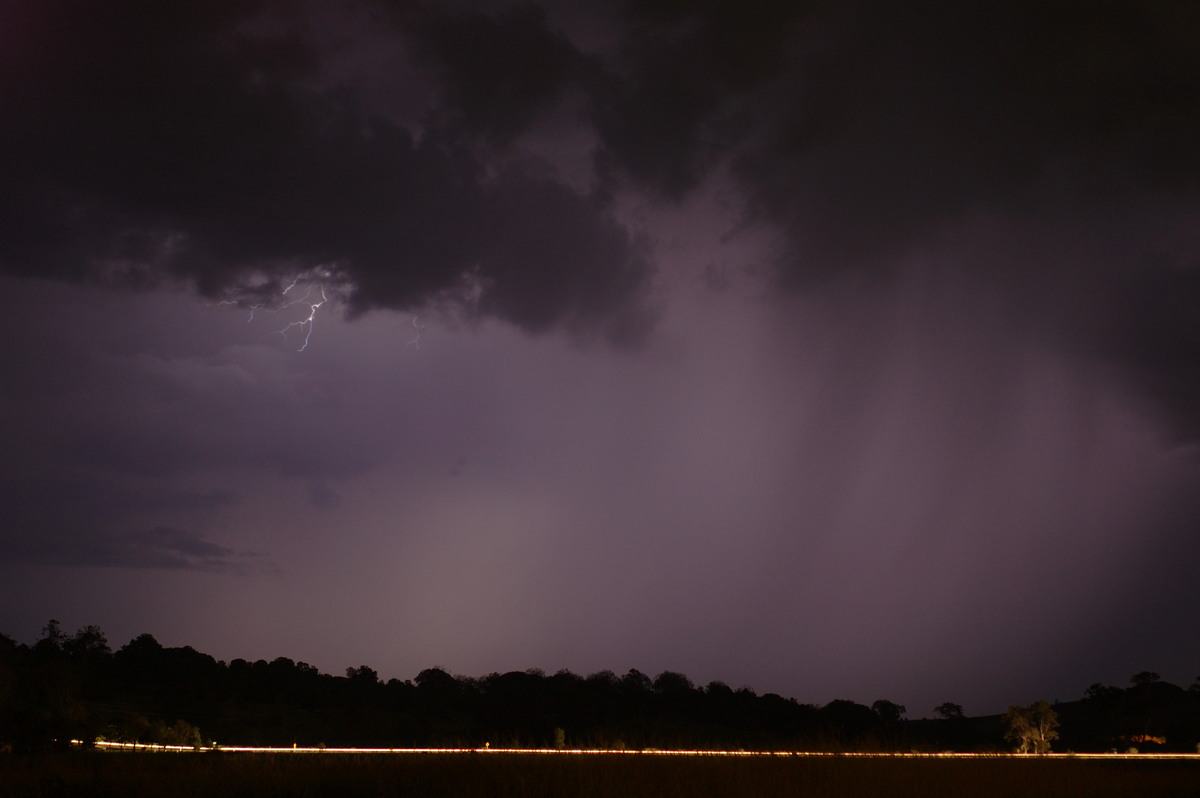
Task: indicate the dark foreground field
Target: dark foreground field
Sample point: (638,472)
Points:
(132,775)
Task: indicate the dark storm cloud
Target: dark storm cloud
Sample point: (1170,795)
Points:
(56,519)
(907,117)
(861,126)
(159,547)
(219,142)
(498,72)
(73,502)
(672,103)
(142,141)
(870,133)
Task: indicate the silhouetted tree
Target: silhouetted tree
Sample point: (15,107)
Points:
(88,642)
(1144,678)
(362,675)
(53,636)
(1102,692)
(949,711)
(636,683)
(889,712)
(10,657)
(847,724)
(436,680)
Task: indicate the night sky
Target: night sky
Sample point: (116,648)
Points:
(833,349)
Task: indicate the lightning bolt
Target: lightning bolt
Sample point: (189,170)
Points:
(239,304)
(416,340)
(307,321)
(312,289)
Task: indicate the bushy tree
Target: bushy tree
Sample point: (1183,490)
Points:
(1031,728)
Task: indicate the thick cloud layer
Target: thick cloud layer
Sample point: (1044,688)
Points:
(403,150)
(198,142)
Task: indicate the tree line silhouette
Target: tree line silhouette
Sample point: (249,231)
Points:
(67,687)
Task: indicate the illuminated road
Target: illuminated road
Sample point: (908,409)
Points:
(612,752)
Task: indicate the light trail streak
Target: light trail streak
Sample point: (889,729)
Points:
(615,752)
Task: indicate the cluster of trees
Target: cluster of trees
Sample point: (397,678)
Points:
(1149,715)
(75,686)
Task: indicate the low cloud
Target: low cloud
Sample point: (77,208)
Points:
(159,548)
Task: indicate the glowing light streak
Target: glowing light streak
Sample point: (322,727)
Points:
(613,752)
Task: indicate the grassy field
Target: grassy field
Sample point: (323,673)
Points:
(133,775)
